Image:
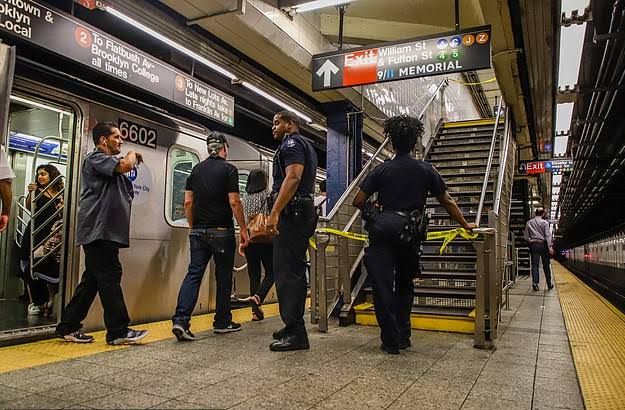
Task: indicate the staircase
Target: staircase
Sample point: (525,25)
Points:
(519,215)
(445,291)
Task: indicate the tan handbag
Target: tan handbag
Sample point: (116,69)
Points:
(258,229)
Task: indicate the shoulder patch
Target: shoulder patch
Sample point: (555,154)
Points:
(290,143)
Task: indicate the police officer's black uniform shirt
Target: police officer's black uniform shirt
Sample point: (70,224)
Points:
(403,183)
(211,181)
(295,150)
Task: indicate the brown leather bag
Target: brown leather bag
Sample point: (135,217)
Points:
(258,229)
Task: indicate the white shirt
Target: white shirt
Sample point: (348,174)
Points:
(5,170)
(537,230)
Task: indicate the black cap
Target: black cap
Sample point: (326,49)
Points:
(216,138)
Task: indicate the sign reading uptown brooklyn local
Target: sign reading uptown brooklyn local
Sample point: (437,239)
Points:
(69,37)
(452,52)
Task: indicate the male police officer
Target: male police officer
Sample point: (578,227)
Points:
(210,199)
(392,260)
(293,214)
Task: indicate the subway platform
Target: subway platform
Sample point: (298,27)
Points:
(537,365)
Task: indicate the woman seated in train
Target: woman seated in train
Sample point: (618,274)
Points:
(257,253)
(45,284)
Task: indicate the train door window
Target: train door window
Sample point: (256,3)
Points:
(180,162)
(39,136)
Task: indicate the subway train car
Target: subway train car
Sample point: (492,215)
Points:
(601,264)
(49,125)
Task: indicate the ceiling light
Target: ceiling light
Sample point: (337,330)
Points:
(571,45)
(39,105)
(197,57)
(318,4)
(564,113)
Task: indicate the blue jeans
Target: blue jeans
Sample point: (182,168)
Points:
(207,243)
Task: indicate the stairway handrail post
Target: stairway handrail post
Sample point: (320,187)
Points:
(488,165)
(503,157)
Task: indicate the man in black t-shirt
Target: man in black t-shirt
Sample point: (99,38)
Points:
(293,215)
(211,198)
(402,185)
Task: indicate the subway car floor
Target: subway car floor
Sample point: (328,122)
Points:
(537,365)
(13,315)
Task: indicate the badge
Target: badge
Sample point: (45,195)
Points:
(290,143)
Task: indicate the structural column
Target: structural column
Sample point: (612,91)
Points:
(344,147)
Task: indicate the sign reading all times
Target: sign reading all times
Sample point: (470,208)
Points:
(69,37)
(420,57)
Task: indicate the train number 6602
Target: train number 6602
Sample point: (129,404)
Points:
(137,134)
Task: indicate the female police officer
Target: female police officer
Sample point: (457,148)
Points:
(392,259)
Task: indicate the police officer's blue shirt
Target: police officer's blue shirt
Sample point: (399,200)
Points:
(403,183)
(105,200)
(295,150)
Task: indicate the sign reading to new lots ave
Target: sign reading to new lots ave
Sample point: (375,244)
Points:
(67,36)
(420,57)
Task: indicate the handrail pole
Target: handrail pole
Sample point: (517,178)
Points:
(503,161)
(488,166)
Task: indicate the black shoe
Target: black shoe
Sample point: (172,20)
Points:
(289,343)
(389,350)
(131,337)
(232,327)
(279,334)
(182,334)
(549,287)
(76,337)
(535,287)
(404,344)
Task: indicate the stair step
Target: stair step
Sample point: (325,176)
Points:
(444,142)
(450,274)
(448,149)
(481,166)
(445,257)
(457,293)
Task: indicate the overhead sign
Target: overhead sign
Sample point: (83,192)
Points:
(556,166)
(69,37)
(419,57)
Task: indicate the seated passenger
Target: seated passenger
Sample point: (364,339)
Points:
(254,203)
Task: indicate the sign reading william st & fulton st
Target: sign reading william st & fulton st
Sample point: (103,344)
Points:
(69,37)
(438,54)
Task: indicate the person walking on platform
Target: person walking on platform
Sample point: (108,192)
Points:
(294,219)
(394,226)
(538,235)
(211,198)
(255,203)
(103,228)
(6,196)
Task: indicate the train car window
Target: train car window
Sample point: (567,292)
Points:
(180,162)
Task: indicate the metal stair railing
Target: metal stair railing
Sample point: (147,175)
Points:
(336,259)
(495,258)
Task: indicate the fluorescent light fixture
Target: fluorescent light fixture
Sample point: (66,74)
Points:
(203,60)
(275,100)
(560,145)
(569,5)
(319,4)
(171,43)
(571,44)
(39,105)
(564,113)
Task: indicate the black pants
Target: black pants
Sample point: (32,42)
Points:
(538,251)
(205,244)
(392,266)
(289,260)
(257,254)
(102,275)
(36,287)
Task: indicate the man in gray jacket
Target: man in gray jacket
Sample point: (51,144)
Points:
(538,235)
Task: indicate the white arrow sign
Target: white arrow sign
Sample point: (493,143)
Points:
(326,70)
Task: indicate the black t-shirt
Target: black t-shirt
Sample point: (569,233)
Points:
(211,181)
(295,150)
(403,183)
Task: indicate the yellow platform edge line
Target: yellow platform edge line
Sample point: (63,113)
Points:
(469,123)
(55,350)
(596,331)
(436,323)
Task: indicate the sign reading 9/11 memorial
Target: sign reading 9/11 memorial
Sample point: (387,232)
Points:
(452,52)
(67,36)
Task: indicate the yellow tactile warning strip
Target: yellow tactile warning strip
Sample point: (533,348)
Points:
(55,350)
(470,123)
(597,336)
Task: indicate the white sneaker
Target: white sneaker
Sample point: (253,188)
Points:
(33,310)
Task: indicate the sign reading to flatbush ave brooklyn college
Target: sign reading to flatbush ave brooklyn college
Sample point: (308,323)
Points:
(438,54)
(69,37)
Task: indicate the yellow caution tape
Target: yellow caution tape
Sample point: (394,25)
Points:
(490,80)
(446,236)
